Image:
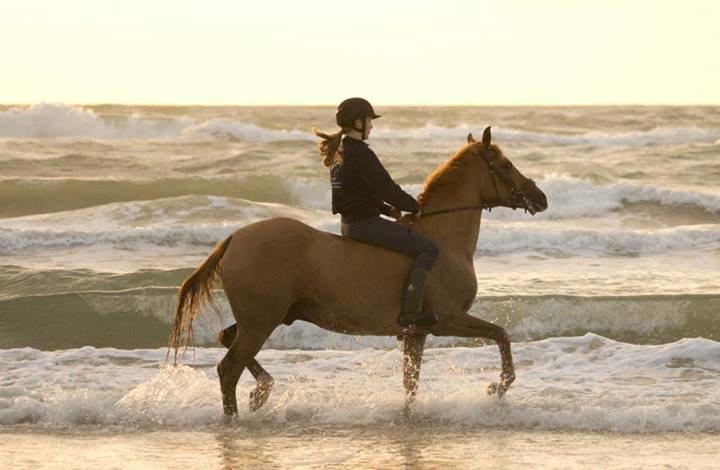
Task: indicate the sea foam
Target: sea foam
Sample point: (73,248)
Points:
(203,220)
(570,383)
(61,120)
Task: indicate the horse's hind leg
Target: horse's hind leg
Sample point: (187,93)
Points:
(471,327)
(265,382)
(413,346)
(240,355)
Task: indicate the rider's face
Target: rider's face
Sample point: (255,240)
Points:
(368,126)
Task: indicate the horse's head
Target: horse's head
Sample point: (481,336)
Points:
(504,185)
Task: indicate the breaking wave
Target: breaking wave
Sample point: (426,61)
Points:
(140,317)
(493,239)
(55,120)
(568,197)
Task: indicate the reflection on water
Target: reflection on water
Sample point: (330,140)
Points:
(400,445)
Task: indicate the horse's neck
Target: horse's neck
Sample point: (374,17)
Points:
(455,231)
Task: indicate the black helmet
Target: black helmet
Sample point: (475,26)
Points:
(354,108)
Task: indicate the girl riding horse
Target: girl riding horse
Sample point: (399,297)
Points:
(362,190)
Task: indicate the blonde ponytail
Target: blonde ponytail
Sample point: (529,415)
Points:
(329,147)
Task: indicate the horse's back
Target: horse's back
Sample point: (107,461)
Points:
(272,247)
(281,231)
(285,249)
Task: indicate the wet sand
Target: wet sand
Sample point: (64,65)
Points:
(400,446)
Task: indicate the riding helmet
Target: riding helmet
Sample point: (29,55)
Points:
(354,108)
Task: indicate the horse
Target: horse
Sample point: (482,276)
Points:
(280,270)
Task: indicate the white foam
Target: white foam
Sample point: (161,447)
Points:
(310,193)
(184,220)
(646,319)
(568,197)
(243,131)
(573,383)
(493,239)
(202,234)
(656,136)
(189,221)
(641,193)
(61,120)
(503,239)
(571,197)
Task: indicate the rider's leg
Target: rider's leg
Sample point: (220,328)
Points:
(400,238)
(414,294)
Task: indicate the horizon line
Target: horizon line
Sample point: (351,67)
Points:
(377,104)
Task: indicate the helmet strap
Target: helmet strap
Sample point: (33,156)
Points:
(363,127)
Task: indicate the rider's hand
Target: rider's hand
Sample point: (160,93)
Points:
(395,213)
(415,216)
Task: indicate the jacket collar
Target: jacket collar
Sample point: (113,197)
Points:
(353,140)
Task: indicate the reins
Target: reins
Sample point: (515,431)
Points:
(454,209)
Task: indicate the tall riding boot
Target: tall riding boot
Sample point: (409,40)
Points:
(412,313)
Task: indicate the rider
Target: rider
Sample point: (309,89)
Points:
(362,189)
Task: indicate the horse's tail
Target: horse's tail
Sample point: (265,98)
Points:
(195,290)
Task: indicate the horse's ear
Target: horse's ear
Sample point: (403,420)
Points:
(487,136)
(470,139)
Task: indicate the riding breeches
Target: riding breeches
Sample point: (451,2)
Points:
(395,237)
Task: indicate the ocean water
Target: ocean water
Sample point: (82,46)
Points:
(612,296)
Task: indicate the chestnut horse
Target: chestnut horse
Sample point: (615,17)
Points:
(280,270)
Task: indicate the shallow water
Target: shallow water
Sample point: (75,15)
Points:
(612,295)
(586,383)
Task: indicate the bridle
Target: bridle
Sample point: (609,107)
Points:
(519,195)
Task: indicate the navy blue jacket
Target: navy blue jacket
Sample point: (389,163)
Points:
(361,186)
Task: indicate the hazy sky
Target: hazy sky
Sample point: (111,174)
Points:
(390,51)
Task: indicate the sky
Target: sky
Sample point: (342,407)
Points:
(393,52)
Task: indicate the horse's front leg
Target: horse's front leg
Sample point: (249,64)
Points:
(471,327)
(507,376)
(413,347)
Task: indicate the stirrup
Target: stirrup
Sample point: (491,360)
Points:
(418,319)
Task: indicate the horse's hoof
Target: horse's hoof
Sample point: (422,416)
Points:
(407,411)
(258,397)
(228,420)
(497,389)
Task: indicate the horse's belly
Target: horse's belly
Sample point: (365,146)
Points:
(353,328)
(353,318)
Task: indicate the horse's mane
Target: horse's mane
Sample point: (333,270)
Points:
(448,173)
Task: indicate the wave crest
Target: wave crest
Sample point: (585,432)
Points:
(61,120)
(140,317)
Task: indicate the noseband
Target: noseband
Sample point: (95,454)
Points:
(519,195)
